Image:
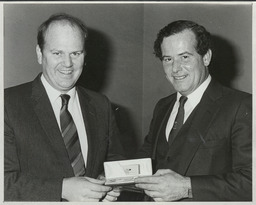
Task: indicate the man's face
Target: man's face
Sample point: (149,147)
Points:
(183,66)
(62,58)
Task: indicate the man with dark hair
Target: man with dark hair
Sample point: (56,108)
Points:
(57,134)
(200,138)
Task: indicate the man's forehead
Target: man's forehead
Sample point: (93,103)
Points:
(63,37)
(62,30)
(181,39)
(187,33)
(61,24)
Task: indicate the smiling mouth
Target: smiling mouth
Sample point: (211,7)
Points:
(179,77)
(65,72)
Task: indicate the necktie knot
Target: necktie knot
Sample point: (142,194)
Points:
(65,98)
(183,100)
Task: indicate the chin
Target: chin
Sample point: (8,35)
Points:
(65,88)
(182,92)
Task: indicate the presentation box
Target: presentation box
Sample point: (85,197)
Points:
(124,172)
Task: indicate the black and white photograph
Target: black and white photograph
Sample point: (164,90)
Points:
(127,102)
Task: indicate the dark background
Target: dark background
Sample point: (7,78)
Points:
(120,61)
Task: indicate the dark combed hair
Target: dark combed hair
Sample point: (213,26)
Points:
(60,17)
(203,37)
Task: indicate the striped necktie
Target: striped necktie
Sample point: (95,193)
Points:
(178,120)
(70,137)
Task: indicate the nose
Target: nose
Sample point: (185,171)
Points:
(176,67)
(67,61)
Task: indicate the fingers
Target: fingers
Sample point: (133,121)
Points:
(100,188)
(165,185)
(148,187)
(153,194)
(158,199)
(147,180)
(83,189)
(97,185)
(95,181)
(101,177)
(155,179)
(96,191)
(112,195)
(147,183)
(163,172)
(95,195)
(157,196)
(109,198)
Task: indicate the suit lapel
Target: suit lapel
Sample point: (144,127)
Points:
(43,109)
(90,120)
(194,131)
(161,118)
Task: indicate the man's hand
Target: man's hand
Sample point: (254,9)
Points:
(83,189)
(164,185)
(112,195)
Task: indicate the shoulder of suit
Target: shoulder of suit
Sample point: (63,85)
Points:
(227,90)
(165,101)
(222,94)
(234,93)
(18,90)
(17,96)
(24,88)
(90,93)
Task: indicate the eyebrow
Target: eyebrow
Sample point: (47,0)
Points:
(53,50)
(162,57)
(165,56)
(186,52)
(180,54)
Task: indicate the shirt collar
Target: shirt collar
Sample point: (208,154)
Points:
(54,94)
(196,96)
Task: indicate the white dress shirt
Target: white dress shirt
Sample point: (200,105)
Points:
(192,101)
(73,107)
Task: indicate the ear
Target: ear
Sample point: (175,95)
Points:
(207,57)
(39,54)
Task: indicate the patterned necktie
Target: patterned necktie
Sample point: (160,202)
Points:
(178,120)
(70,137)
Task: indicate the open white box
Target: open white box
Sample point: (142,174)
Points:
(125,171)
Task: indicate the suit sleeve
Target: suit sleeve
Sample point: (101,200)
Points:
(237,184)
(146,151)
(18,185)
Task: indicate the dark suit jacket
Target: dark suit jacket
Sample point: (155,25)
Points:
(35,157)
(214,146)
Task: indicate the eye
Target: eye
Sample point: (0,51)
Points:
(56,53)
(76,54)
(185,57)
(166,59)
